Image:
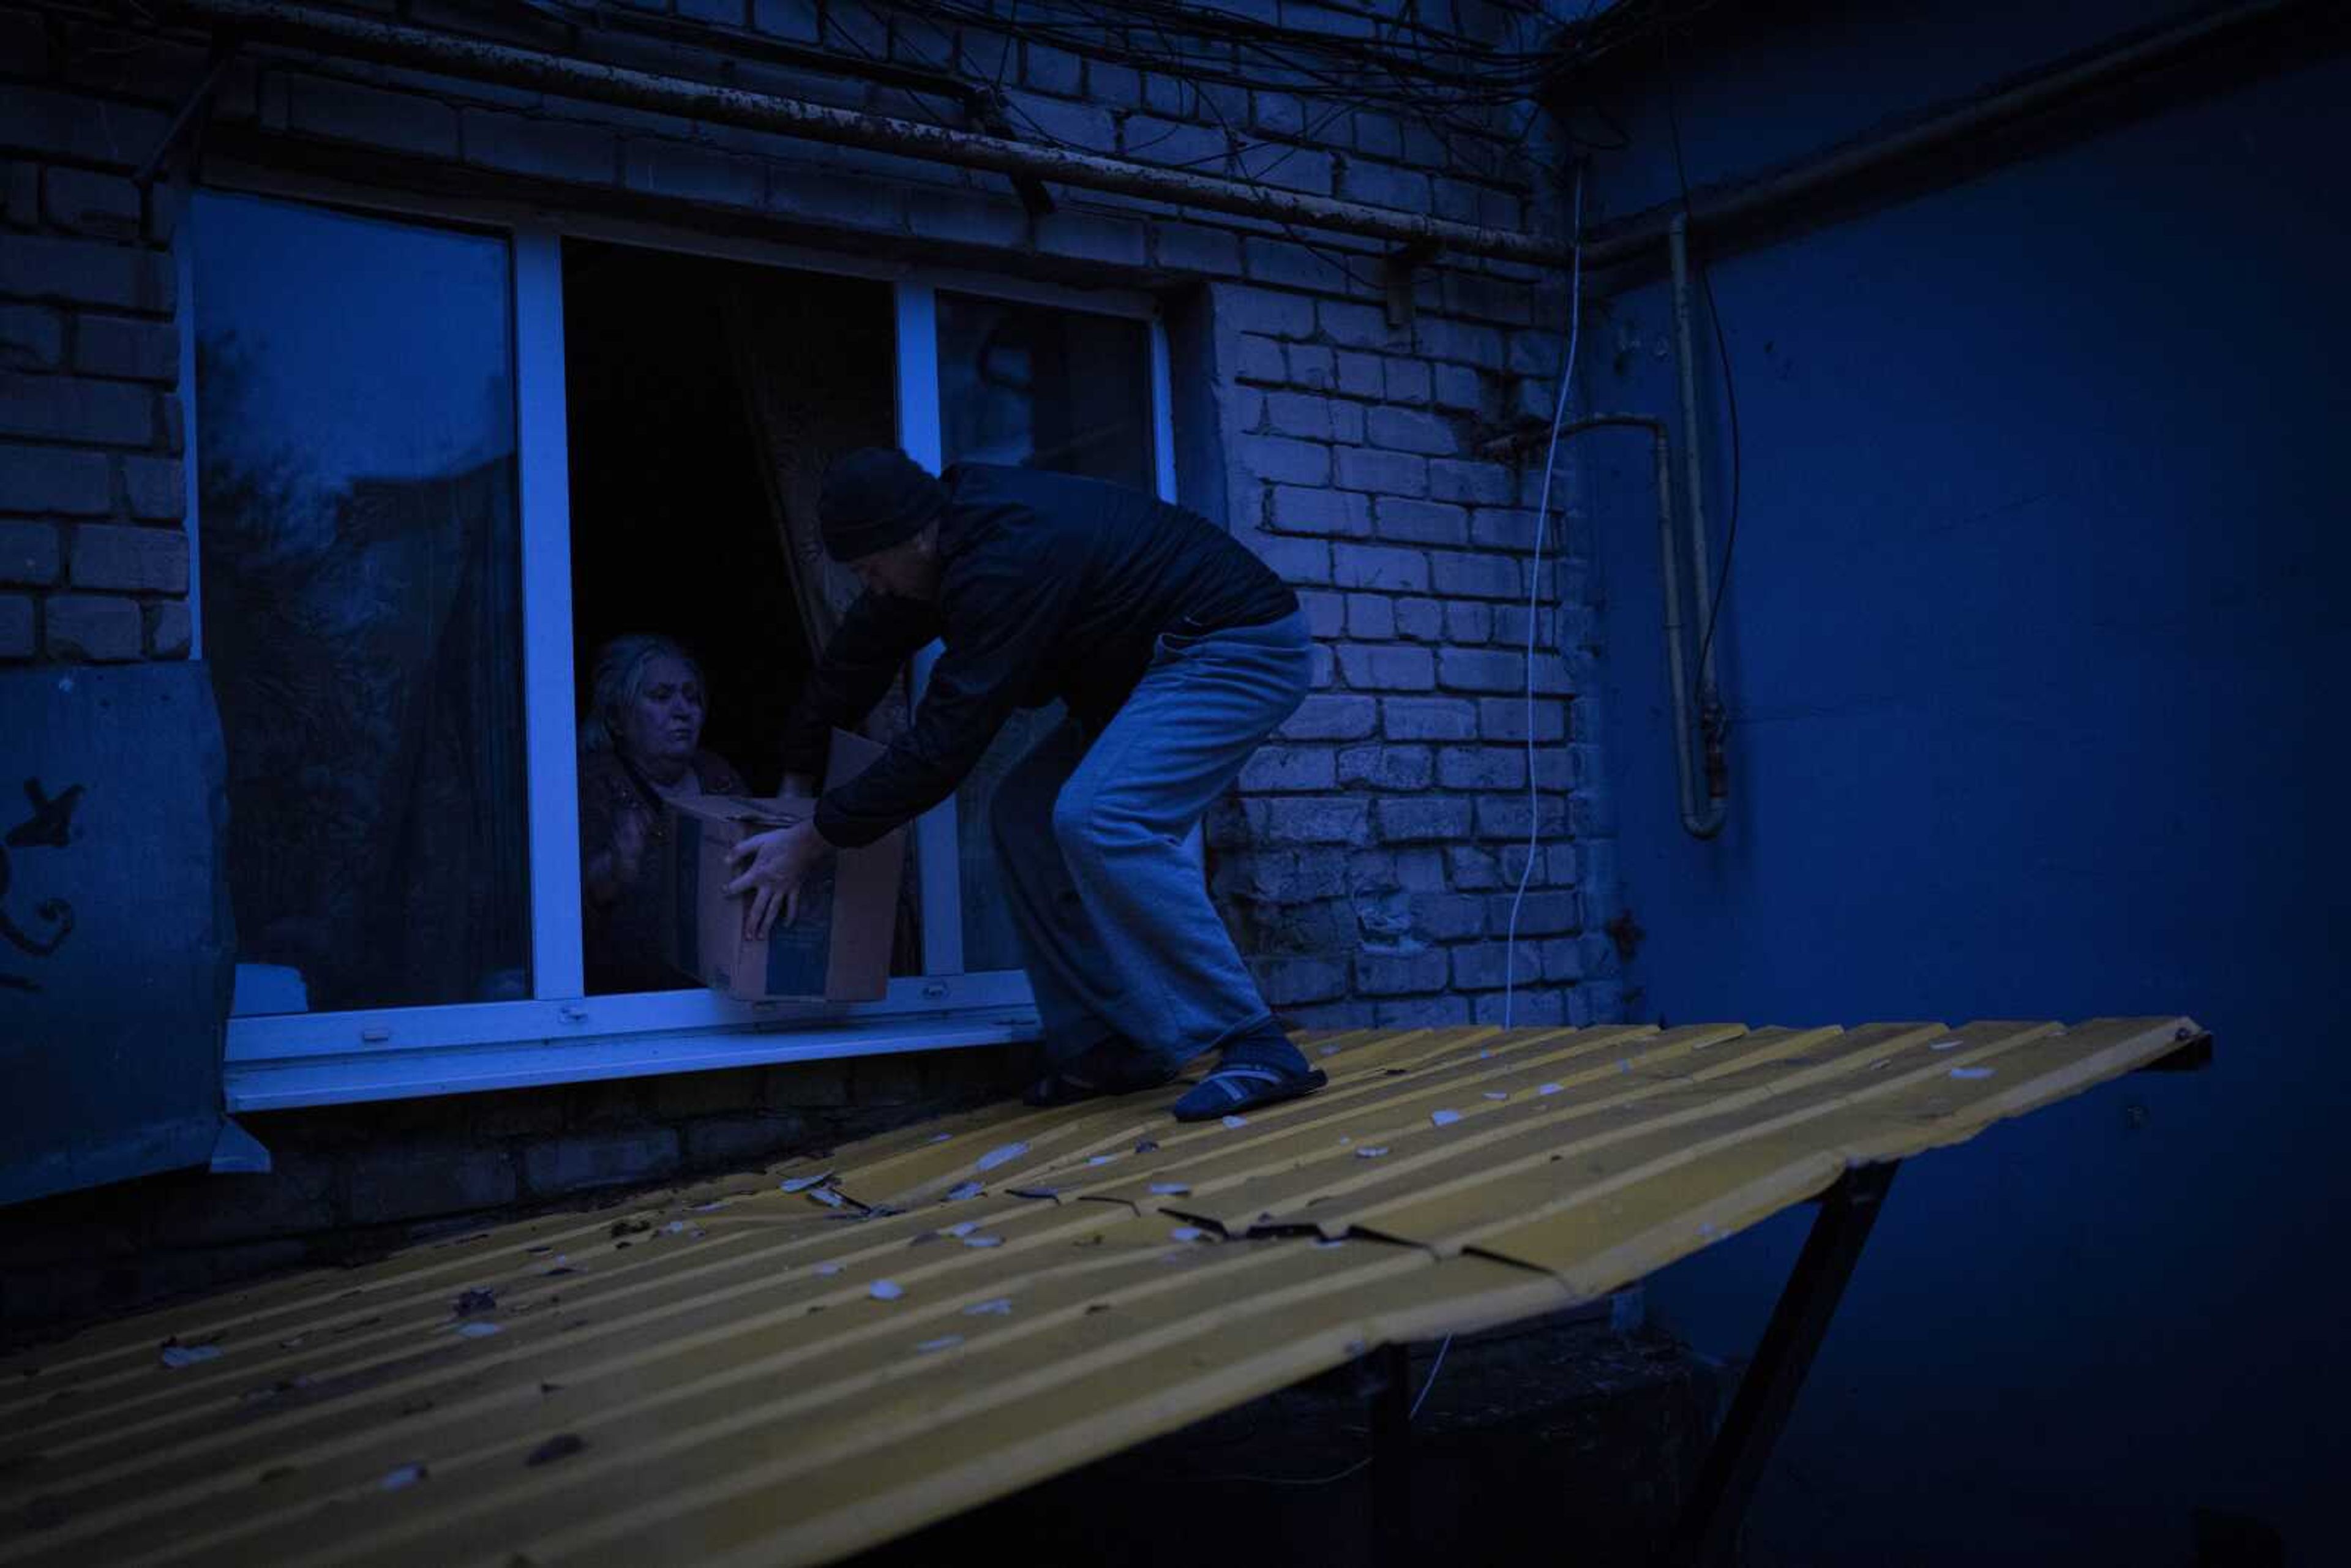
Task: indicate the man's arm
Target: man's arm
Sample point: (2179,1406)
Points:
(869,648)
(1008,619)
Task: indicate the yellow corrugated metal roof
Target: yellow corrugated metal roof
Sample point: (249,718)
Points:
(737,1373)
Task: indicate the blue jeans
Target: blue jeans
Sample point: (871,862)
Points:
(1113,911)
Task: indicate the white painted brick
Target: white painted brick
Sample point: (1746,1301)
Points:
(1331,716)
(1406,380)
(156,488)
(1049,69)
(1190,247)
(88,272)
(1389,472)
(1326,613)
(70,125)
(30,554)
(685,172)
(1386,185)
(1412,429)
(1380,567)
(1298,509)
(543,148)
(126,348)
(1457,387)
(1479,484)
(1310,365)
(1149,139)
(1360,375)
(170,629)
(345,111)
(129,558)
(31,338)
(1301,414)
(1425,818)
(1386,668)
(1421,522)
(1081,125)
(1354,326)
(93,627)
(1092,237)
(1428,718)
(1420,620)
(73,408)
(1281,460)
(965,216)
(81,201)
(1261,360)
(1474,576)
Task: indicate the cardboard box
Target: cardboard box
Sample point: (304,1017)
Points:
(838,950)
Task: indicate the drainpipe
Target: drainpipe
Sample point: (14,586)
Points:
(1707,821)
(1701,823)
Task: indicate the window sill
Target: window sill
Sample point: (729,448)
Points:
(253,1082)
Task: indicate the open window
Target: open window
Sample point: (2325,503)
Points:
(441,458)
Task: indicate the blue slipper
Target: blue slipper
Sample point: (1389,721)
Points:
(1263,1070)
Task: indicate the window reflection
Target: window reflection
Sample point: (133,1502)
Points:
(360,559)
(1032,387)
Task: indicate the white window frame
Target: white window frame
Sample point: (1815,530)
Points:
(561,1035)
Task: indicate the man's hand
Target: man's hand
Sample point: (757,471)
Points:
(772,866)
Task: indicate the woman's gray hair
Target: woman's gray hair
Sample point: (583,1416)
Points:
(620,680)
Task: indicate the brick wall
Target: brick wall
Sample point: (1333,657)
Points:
(350,1182)
(1367,861)
(93,547)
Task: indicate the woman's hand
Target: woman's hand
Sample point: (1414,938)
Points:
(773,865)
(618,867)
(627,844)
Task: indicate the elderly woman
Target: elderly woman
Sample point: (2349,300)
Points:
(639,744)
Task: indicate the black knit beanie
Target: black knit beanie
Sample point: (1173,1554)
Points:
(875,497)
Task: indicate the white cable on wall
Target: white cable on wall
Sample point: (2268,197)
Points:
(1534,592)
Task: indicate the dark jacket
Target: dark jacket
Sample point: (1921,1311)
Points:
(1050,587)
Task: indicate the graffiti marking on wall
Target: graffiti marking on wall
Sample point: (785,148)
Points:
(50,827)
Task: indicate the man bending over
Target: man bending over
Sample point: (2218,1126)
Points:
(1175,651)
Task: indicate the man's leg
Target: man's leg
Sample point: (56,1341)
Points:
(1177,986)
(1064,961)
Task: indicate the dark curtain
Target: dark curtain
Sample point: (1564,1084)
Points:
(808,396)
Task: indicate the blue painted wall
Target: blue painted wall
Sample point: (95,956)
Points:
(2034,653)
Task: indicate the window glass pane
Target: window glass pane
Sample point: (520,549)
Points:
(362,603)
(704,399)
(1039,388)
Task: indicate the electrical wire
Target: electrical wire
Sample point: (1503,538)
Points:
(1535,590)
(1434,1368)
(1723,357)
(1413,1414)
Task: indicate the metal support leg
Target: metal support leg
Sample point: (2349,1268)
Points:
(1392,1455)
(1710,1526)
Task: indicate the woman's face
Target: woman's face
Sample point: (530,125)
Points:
(665,723)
